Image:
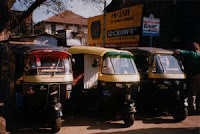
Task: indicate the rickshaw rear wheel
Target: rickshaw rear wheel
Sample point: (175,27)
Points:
(56,125)
(180,114)
(129,119)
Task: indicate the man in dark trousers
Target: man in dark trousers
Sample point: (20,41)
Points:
(192,58)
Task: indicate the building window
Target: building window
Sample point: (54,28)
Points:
(53,28)
(79,28)
(67,26)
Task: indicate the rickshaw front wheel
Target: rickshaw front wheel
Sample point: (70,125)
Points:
(180,114)
(56,125)
(129,119)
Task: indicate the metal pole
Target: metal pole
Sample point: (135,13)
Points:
(150,41)
(32,28)
(104,24)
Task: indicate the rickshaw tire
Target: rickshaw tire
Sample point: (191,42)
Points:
(129,119)
(180,115)
(56,125)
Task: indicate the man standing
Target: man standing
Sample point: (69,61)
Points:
(192,58)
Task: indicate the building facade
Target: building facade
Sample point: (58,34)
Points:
(69,27)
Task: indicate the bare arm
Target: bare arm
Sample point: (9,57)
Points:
(177,51)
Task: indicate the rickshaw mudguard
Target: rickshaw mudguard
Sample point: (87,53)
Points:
(166,76)
(119,78)
(48,78)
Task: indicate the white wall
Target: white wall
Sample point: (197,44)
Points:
(60,27)
(70,40)
(48,28)
(50,40)
(90,73)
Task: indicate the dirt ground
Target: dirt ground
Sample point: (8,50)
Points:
(92,123)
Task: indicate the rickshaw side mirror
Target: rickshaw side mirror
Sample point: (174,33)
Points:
(95,63)
(153,70)
(153,66)
(26,69)
(73,61)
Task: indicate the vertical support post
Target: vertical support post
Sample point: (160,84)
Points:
(151,41)
(104,24)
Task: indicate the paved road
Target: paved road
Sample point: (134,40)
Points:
(88,123)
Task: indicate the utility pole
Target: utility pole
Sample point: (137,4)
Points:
(104,24)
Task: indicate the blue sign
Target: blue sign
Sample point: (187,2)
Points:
(151,27)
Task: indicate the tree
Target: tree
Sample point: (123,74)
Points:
(9,21)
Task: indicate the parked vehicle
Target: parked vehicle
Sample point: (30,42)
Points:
(162,81)
(35,79)
(107,78)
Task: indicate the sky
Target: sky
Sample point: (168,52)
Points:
(77,6)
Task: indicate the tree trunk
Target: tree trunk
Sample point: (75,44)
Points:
(5,15)
(8,21)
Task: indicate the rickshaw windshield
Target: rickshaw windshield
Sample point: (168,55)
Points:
(118,64)
(48,62)
(167,64)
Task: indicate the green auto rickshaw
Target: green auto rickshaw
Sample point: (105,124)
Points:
(162,81)
(107,78)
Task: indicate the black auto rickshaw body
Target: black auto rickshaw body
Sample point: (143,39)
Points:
(162,82)
(108,78)
(35,79)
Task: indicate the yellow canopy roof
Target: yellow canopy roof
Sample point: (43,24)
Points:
(93,50)
(148,50)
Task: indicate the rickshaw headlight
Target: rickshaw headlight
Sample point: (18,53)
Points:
(178,93)
(132,105)
(58,106)
(186,102)
(69,87)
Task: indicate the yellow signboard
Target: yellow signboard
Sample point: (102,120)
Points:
(123,28)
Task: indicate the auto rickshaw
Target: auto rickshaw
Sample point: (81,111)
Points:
(107,78)
(162,81)
(36,80)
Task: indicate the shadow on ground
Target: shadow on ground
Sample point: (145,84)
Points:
(100,121)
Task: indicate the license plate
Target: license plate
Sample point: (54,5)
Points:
(161,86)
